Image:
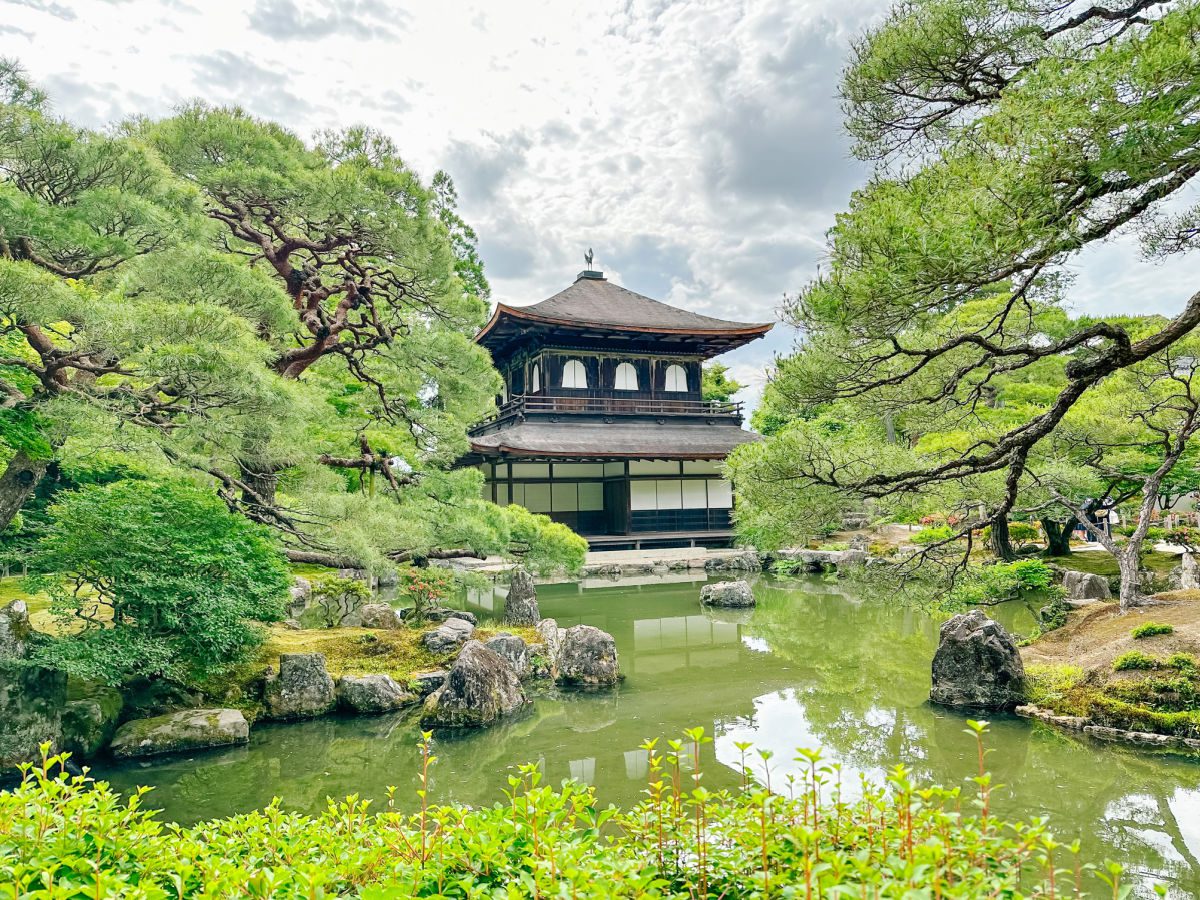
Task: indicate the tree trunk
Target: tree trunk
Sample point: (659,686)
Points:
(1129,561)
(17,483)
(262,481)
(999,542)
(1058,536)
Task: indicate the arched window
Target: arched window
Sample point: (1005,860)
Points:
(626,378)
(676,379)
(574,375)
(535,378)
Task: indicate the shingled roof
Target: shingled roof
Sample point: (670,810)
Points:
(632,440)
(595,304)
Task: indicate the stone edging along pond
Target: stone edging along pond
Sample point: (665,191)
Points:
(1104,733)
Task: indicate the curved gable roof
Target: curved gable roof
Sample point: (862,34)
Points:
(593,302)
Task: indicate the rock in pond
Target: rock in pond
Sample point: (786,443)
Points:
(1085,586)
(428,682)
(31,705)
(587,657)
(189,729)
(480,688)
(977,665)
(513,649)
(31,697)
(380,615)
(727,593)
(301,690)
(450,635)
(372,694)
(89,720)
(521,606)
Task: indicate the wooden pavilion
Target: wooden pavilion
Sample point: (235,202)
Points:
(601,424)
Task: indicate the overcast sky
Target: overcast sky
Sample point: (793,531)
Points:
(696,146)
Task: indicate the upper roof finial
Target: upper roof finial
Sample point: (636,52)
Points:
(588,257)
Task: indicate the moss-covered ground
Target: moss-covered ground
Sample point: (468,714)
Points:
(1076,671)
(367,651)
(1101,562)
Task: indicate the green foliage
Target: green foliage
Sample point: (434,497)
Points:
(1150,629)
(1005,139)
(155,579)
(426,586)
(1047,685)
(716,385)
(933,534)
(1185,662)
(1004,581)
(335,598)
(683,841)
(1023,532)
(1133,660)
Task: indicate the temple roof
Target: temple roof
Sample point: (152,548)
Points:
(594,308)
(633,440)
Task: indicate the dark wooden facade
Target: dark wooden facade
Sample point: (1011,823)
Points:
(602,425)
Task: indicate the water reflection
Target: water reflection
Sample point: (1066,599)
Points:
(811,665)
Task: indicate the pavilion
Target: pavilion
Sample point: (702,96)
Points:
(601,425)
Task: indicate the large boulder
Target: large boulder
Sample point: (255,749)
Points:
(372,694)
(301,690)
(977,665)
(380,615)
(299,595)
(1085,586)
(727,593)
(428,682)
(448,636)
(513,649)
(521,606)
(189,729)
(90,719)
(745,561)
(587,657)
(480,688)
(15,630)
(31,705)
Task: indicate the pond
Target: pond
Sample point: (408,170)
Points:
(812,665)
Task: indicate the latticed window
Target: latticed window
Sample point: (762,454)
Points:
(535,378)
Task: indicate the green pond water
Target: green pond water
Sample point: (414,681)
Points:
(811,665)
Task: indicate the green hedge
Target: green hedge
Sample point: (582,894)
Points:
(74,838)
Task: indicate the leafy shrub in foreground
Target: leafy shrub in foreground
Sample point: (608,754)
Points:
(69,837)
(1150,629)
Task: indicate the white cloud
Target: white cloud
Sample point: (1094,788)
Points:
(695,145)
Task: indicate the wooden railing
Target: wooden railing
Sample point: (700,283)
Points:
(609,405)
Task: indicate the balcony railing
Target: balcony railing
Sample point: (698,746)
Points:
(599,404)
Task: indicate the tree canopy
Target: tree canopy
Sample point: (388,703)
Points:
(289,322)
(1006,138)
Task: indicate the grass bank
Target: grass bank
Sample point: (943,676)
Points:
(1095,666)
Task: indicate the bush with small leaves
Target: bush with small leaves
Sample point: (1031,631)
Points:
(1150,629)
(1133,660)
(68,836)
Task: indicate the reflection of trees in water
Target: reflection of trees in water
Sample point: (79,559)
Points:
(853,672)
(863,680)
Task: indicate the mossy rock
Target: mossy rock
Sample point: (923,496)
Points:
(189,729)
(90,718)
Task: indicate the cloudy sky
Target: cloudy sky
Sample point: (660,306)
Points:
(696,146)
